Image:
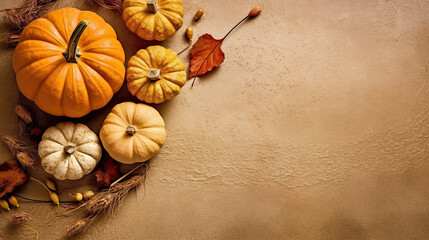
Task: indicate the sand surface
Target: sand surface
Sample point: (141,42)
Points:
(315,127)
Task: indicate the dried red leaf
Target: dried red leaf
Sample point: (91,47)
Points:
(107,173)
(208,48)
(11,176)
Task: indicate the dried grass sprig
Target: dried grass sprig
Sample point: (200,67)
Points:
(79,226)
(18,18)
(109,4)
(25,120)
(25,153)
(106,201)
(19,218)
(23,114)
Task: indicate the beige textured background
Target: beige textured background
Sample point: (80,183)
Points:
(315,127)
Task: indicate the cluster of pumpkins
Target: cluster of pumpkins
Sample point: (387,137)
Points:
(69,62)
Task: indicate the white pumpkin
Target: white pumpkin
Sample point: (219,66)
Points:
(69,150)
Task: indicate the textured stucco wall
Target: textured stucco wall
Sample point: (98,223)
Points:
(314,127)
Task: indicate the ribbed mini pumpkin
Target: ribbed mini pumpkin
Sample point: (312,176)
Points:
(133,132)
(69,62)
(69,150)
(155,74)
(153,19)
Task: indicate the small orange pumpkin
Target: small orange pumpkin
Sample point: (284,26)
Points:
(69,62)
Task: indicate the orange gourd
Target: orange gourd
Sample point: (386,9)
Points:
(69,62)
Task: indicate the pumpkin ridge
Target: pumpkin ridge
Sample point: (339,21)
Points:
(64,134)
(47,155)
(167,14)
(83,152)
(44,137)
(66,16)
(62,43)
(129,13)
(87,62)
(114,122)
(140,56)
(174,81)
(141,88)
(56,142)
(82,69)
(65,40)
(50,63)
(78,163)
(93,49)
(84,164)
(166,88)
(38,92)
(74,131)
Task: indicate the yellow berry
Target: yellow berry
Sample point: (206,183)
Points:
(88,194)
(4,204)
(51,185)
(198,14)
(78,197)
(189,33)
(55,198)
(13,201)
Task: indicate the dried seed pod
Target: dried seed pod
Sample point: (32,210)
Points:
(77,228)
(55,198)
(20,218)
(255,12)
(51,185)
(4,204)
(88,194)
(25,159)
(189,33)
(23,114)
(78,197)
(198,14)
(13,201)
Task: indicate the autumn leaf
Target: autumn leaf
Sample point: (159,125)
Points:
(11,176)
(107,173)
(205,55)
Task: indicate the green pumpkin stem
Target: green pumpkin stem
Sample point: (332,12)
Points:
(72,53)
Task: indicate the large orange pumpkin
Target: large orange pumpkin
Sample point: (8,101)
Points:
(69,62)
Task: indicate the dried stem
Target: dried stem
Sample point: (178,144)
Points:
(106,201)
(18,18)
(47,189)
(17,145)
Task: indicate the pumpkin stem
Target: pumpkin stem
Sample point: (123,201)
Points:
(72,53)
(70,149)
(154,74)
(152,6)
(131,130)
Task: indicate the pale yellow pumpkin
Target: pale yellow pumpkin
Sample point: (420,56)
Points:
(155,74)
(153,19)
(133,132)
(69,150)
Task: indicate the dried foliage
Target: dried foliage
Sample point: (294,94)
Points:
(19,17)
(107,172)
(11,176)
(109,4)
